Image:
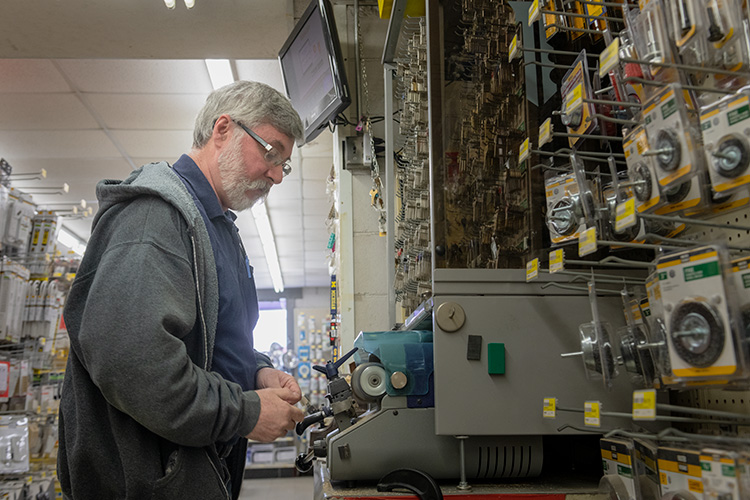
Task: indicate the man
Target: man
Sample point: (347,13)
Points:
(162,378)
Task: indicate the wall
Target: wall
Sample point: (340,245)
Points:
(363,276)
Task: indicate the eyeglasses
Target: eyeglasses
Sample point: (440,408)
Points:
(272,155)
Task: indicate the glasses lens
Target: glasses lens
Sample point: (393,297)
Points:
(286,168)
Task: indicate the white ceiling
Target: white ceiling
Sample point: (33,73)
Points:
(92,108)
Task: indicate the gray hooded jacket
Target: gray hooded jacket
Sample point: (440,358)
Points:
(141,410)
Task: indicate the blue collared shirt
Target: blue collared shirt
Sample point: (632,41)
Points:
(234,357)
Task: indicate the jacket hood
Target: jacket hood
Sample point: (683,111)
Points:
(156,179)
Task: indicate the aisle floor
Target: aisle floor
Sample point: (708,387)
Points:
(286,488)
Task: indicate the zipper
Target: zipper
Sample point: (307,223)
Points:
(221,482)
(200,302)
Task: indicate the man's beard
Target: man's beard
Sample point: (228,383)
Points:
(234,179)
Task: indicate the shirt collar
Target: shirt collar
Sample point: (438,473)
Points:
(189,170)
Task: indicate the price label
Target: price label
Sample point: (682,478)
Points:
(523,150)
(609,58)
(513,49)
(644,404)
(532,269)
(550,408)
(587,242)
(545,132)
(592,414)
(556,261)
(574,99)
(534,12)
(625,215)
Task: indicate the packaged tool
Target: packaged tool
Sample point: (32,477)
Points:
(701,316)
(688,197)
(672,137)
(638,357)
(576,114)
(680,472)
(721,474)
(652,43)
(565,213)
(657,330)
(646,469)
(619,480)
(727,41)
(688,30)
(725,126)
(641,171)
(741,279)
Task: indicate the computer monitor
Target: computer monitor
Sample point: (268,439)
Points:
(313,70)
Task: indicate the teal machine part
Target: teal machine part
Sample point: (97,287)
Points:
(408,353)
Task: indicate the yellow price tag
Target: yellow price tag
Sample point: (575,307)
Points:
(523,150)
(550,408)
(556,260)
(513,49)
(587,242)
(545,132)
(534,12)
(609,58)
(592,414)
(532,269)
(625,215)
(644,404)
(574,99)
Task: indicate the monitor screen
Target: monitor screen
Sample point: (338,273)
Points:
(312,68)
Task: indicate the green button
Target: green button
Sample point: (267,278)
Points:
(496,359)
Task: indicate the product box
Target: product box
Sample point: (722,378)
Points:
(680,470)
(647,469)
(617,460)
(720,474)
(700,315)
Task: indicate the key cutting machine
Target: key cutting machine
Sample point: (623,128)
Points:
(394,376)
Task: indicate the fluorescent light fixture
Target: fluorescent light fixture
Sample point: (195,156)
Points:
(70,240)
(220,72)
(189,4)
(169,3)
(260,214)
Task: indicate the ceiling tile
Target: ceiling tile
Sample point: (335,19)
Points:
(320,146)
(316,168)
(44,112)
(140,76)
(266,71)
(288,189)
(317,207)
(314,189)
(147,111)
(165,145)
(56,144)
(31,75)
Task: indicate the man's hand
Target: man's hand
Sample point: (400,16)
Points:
(277,414)
(269,378)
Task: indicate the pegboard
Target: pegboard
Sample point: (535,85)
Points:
(733,237)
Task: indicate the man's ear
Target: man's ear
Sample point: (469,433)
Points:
(222,131)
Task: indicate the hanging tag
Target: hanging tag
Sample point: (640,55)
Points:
(609,58)
(545,132)
(587,242)
(644,404)
(513,49)
(550,408)
(523,151)
(556,260)
(574,99)
(534,12)
(592,414)
(532,269)
(625,215)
